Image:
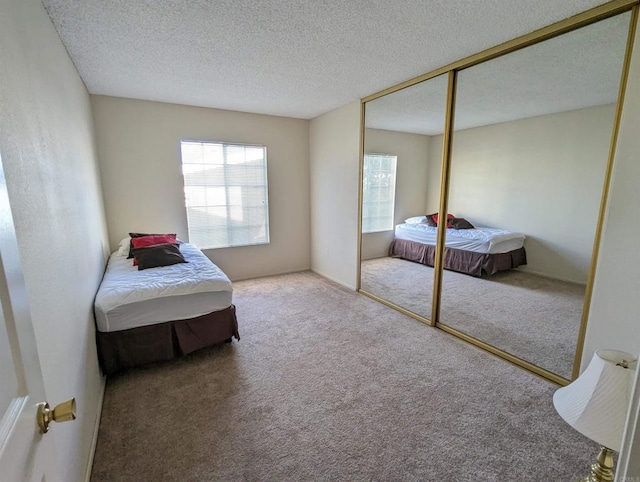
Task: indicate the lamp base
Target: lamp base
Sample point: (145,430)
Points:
(602,470)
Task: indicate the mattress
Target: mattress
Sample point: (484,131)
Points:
(129,298)
(478,240)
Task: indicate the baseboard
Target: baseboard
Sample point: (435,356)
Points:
(566,280)
(382,256)
(331,278)
(96,427)
(275,273)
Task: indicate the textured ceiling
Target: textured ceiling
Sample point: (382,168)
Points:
(576,70)
(291,58)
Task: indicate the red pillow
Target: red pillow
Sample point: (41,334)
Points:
(139,235)
(449,218)
(152,240)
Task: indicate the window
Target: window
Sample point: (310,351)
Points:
(378,192)
(225,187)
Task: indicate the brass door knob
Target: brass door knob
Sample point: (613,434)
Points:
(63,412)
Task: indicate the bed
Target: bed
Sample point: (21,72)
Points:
(149,315)
(470,251)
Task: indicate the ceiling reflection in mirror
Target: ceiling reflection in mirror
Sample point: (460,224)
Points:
(401,176)
(529,155)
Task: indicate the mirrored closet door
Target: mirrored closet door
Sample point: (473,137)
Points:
(514,146)
(528,161)
(400,186)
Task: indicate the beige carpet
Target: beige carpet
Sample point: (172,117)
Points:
(329,385)
(530,316)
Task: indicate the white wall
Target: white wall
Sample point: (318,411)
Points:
(629,458)
(412,151)
(434,174)
(139,152)
(334,157)
(615,304)
(541,176)
(47,147)
(613,317)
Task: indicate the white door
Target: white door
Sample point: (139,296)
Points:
(25,454)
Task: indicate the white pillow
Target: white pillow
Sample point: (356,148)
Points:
(124,247)
(416,220)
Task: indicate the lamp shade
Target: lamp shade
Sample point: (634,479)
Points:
(596,402)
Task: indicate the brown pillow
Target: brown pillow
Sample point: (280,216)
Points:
(139,235)
(460,223)
(159,255)
(430,221)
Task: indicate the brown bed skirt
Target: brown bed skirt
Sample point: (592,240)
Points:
(459,260)
(146,344)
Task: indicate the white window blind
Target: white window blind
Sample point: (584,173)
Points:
(226,194)
(378,192)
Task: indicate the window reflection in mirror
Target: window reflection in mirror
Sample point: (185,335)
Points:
(401,179)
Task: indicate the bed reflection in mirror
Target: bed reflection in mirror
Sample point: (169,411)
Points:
(399,163)
(530,149)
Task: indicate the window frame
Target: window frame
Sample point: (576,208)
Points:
(393,197)
(227,205)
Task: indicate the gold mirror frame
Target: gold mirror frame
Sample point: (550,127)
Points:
(583,19)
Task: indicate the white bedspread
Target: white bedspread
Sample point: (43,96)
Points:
(479,240)
(123,284)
